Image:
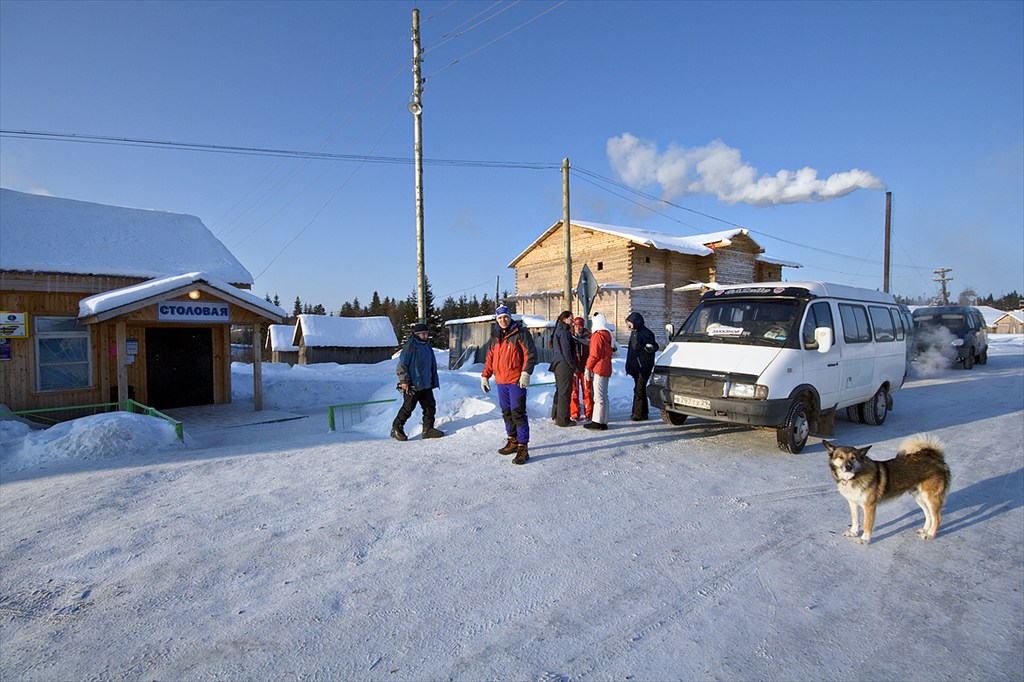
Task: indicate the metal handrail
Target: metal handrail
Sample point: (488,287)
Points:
(123,406)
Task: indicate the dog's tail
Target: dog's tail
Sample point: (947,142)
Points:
(928,446)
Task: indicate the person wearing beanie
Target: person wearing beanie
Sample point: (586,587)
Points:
(581,388)
(640,362)
(563,366)
(417,379)
(511,357)
(599,370)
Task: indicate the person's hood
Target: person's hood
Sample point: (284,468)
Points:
(636,318)
(598,322)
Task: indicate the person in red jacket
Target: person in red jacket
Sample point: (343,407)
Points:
(511,358)
(581,388)
(599,370)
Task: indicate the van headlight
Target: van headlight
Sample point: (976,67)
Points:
(748,391)
(957,343)
(659,380)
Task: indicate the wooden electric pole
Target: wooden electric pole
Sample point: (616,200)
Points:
(416,108)
(567,298)
(941,272)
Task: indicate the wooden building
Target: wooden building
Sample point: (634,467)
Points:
(279,343)
(105,303)
(657,274)
(1010,323)
(344,340)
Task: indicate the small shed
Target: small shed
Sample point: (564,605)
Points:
(1010,323)
(279,343)
(344,340)
(469,338)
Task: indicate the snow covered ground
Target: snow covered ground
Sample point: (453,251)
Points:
(646,552)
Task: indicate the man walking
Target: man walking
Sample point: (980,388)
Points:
(417,379)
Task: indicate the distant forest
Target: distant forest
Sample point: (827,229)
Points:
(404,313)
(1007,302)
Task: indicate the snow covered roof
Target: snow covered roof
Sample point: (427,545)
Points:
(50,234)
(696,245)
(120,301)
(280,338)
(344,332)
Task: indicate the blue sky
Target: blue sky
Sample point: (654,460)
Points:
(715,107)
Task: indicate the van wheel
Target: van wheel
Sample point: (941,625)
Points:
(983,358)
(873,411)
(969,359)
(673,418)
(792,435)
(853,414)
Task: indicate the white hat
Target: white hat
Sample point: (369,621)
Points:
(598,321)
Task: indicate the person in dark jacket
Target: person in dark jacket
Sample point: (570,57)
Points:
(511,357)
(417,379)
(563,365)
(640,362)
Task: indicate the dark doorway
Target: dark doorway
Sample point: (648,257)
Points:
(179,366)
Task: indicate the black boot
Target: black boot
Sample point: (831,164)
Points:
(509,447)
(397,433)
(432,433)
(522,454)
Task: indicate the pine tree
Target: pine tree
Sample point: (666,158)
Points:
(297,310)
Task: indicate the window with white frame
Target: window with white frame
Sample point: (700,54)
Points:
(63,357)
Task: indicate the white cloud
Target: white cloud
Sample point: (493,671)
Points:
(719,169)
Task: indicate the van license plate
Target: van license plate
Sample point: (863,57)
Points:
(687,401)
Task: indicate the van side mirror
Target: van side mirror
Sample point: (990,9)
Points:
(823,337)
(671,329)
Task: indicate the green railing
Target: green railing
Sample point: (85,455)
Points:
(350,409)
(127,406)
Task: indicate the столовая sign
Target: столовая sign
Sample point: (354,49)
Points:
(193,311)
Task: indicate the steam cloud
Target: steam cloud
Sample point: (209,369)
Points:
(718,169)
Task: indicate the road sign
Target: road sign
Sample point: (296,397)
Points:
(586,290)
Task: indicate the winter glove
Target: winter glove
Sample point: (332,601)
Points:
(649,347)
(589,375)
(524,381)
(485,384)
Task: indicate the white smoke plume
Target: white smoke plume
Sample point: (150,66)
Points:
(718,169)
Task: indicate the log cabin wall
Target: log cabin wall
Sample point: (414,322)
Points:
(617,260)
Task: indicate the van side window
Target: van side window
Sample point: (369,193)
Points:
(881,320)
(900,329)
(818,315)
(855,323)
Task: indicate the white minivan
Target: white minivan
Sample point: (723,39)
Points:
(784,355)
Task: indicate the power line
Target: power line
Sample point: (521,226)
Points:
(263,151)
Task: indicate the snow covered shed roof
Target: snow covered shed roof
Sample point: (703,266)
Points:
(344,332)
(280,338)
(50,234)
(697,245)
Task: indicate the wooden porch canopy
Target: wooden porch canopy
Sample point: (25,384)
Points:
(115,305)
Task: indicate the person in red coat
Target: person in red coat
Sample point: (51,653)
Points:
(599,370)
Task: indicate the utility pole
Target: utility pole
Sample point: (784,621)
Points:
(888,235)
(416,108)
(941,272)
(566,229)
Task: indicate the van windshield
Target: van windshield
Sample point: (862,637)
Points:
(954,322)
(743,321)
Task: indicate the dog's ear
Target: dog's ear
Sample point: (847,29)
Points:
(862,452)
(828,446)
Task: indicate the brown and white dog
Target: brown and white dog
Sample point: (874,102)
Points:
(919,468)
